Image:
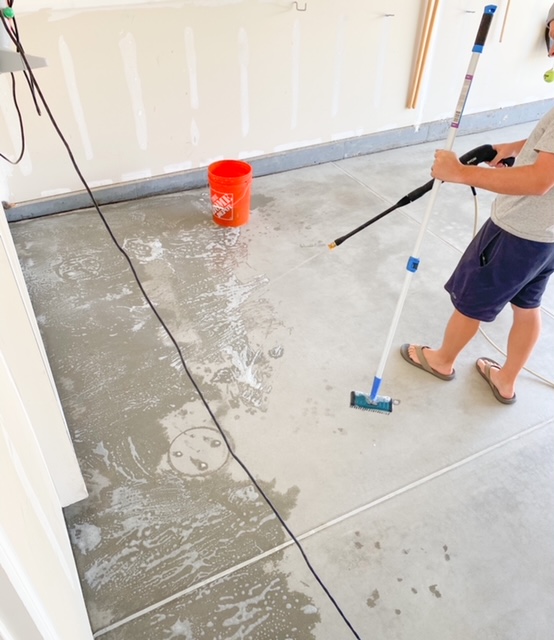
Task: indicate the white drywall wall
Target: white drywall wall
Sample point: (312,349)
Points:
(145,89)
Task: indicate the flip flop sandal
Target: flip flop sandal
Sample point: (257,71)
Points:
(423,360)
(486,374)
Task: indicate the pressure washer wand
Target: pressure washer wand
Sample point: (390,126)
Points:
(373,401)
(401,203)
(484,153)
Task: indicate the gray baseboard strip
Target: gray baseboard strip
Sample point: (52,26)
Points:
(278,162)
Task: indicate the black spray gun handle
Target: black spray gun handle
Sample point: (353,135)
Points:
(484,153)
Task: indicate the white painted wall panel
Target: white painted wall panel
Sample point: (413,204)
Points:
(141,89)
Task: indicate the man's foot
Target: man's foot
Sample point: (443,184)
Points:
(425,358)
(490,371)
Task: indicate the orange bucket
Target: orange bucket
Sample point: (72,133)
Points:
(230,185)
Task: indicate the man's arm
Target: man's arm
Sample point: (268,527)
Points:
(530,180)
(506,150)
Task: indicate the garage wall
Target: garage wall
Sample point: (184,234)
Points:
(147,89)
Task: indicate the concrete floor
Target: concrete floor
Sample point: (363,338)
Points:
(434,522)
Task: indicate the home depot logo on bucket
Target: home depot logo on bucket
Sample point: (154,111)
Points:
(230,183)
(222,206)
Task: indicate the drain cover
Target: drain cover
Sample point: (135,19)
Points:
(198,452)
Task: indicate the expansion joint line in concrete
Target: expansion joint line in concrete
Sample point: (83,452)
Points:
(363,184)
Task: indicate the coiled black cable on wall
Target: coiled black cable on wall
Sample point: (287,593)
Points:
(21,127)
(36,91)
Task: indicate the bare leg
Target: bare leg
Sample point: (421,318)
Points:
(524,334)
(458,333)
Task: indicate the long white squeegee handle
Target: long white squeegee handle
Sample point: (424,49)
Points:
(413,260)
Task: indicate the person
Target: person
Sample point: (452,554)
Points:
(509,261)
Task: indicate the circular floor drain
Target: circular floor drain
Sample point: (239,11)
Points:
(198,452)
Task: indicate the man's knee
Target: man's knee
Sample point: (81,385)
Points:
(522,313)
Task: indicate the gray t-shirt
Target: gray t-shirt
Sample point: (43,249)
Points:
(529,217)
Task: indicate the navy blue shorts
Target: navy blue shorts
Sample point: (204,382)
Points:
(497,268)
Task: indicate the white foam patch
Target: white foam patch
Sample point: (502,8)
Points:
(142,250)
(117,296)
(86,537)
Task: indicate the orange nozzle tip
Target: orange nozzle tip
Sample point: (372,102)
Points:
(332,245)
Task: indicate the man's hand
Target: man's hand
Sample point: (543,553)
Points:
(529,180)
(447,167)
(506,150)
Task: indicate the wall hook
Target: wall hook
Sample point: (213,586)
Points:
(298,8)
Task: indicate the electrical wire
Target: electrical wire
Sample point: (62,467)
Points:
(171,337)
(14,95)
(28,76)
(21,127)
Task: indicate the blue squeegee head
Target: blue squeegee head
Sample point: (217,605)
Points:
(381,404)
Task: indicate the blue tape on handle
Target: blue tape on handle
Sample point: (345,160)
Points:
(490,8)
(375,388)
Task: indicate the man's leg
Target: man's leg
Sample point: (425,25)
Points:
(524,334)
(458,333)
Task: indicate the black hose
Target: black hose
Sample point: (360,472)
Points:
(484,153)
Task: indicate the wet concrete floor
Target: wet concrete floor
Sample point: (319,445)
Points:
(433,522)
